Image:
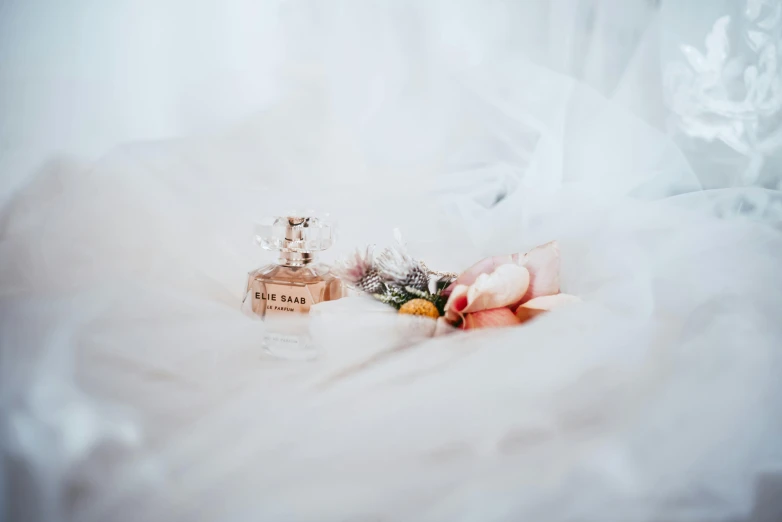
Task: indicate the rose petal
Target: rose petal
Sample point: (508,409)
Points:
(492,318)
(456,303)
(525,314)
(539,305)
(549,302)
(504,286)
(543,264)
(484,266)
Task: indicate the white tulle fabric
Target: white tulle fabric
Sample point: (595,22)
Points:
(134,389)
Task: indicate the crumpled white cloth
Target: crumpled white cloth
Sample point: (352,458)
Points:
(133,388)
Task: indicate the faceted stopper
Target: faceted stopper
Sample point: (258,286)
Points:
(295,234)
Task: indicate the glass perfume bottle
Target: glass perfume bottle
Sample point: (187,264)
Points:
(283,291)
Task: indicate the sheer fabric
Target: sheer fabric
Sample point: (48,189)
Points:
(642,137)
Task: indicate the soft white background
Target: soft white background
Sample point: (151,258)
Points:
(79,76)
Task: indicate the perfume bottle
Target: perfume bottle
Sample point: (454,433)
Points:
(281,292)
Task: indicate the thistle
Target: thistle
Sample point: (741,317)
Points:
(359,272)
(398,268)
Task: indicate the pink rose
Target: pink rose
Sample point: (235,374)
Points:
(489,293)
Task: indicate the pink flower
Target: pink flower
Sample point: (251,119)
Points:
(534,307)
(492,318)
(505,282)
(504,286)
(543,264)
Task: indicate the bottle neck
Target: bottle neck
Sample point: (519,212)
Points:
(295,258)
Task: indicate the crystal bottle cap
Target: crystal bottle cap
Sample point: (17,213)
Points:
(295,234)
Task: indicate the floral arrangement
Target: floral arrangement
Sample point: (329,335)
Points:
(495,292)
(395,278)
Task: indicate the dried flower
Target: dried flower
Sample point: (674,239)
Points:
(394,277)
(398,268)
(359,271)
(420,307)
(393,296)
(371,283)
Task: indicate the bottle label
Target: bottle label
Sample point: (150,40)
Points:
(274,299)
